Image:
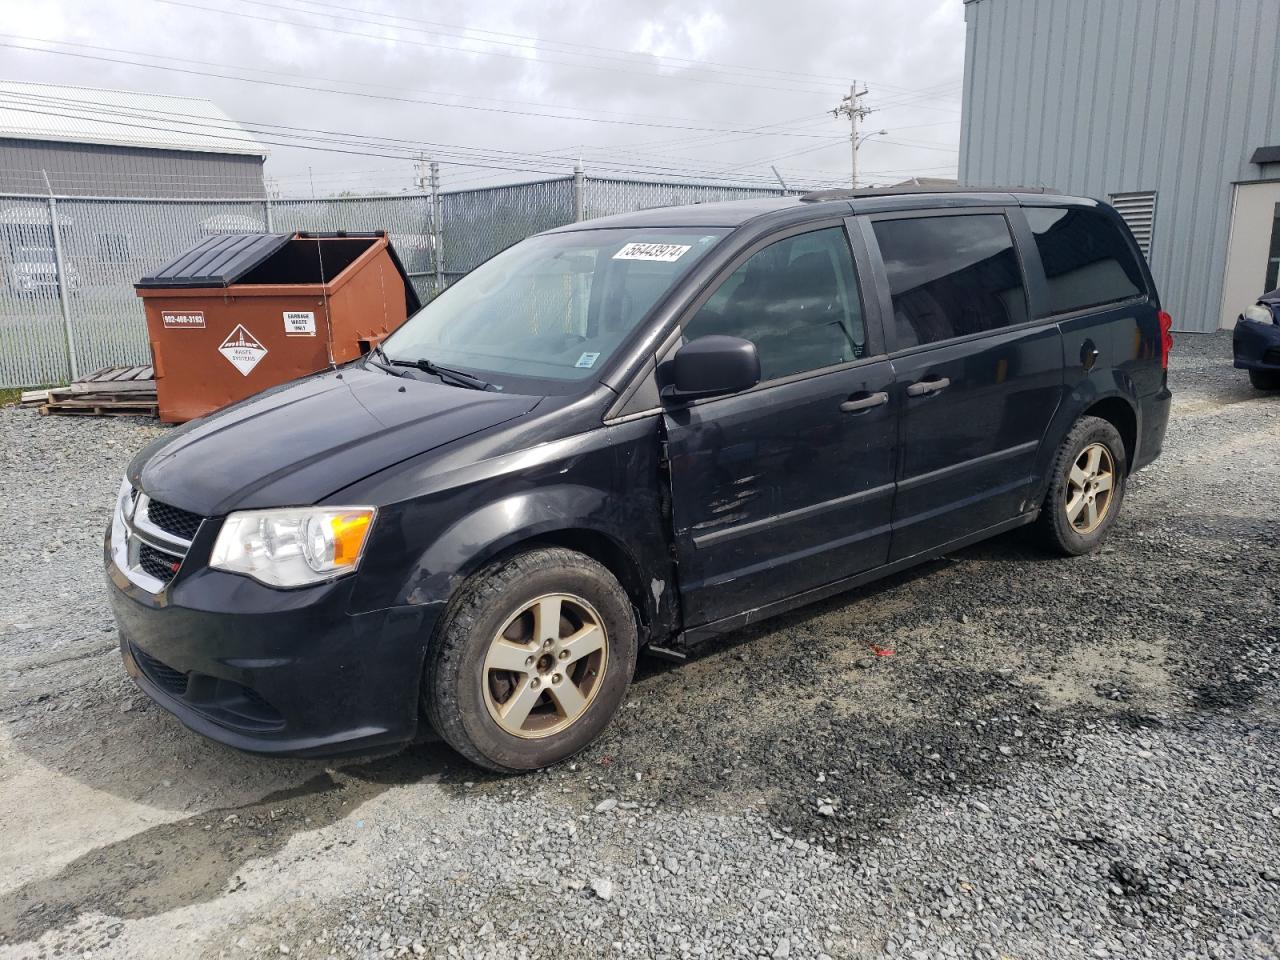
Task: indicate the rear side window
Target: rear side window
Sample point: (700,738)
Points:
(1087,259)
(951,276)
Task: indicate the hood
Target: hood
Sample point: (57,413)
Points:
(299,443)
(1271,299)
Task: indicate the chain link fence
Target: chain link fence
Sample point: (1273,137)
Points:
(68,264)
(602,198)
(476,224)
(406,218)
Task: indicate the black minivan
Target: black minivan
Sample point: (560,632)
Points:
(639,431)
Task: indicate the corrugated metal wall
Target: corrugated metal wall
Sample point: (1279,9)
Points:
(104,170)
(1099,97)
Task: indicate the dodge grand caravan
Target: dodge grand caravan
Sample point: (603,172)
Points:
(643,430)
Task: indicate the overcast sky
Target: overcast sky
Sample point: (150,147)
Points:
(646,89)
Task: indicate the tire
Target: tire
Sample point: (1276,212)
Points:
(1082,532)
(1265,379)
(474,702)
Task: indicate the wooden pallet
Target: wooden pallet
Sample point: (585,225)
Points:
(109,392)
(104,406)
(117,380)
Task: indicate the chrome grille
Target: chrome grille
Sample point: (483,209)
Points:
(149,540)
(181,523)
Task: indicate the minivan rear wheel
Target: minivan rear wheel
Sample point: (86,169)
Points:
(531,661)
(1086,488)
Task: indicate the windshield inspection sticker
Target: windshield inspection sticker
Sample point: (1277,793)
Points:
(243,349)
(299,323)
(587,360)
(175,320)
(662,252)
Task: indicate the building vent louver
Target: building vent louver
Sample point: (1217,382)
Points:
(1139,212)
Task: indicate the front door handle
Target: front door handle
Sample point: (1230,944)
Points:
(870,401)
(926,387)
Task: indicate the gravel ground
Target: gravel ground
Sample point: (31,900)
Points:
(1059,758)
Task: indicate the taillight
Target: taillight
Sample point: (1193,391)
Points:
(1166,338)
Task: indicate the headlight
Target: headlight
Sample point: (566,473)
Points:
(1259,313)
(293,547)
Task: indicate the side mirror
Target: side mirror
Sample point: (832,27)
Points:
(710,366)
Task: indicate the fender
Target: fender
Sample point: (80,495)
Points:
(1084,394)
(599,493)
(472,541)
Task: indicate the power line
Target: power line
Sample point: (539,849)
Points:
(405,149)
(358,145)
(353,83)
(396,99)
(920,146)
(488,53)
(98,112)
(635,55)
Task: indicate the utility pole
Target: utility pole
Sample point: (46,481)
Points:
(856,112)
(427,180)
(437,226)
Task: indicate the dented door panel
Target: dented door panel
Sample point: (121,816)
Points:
(778,489)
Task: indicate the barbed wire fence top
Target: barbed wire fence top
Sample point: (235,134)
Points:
(68,263)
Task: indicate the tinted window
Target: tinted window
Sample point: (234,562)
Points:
(951,276)
(1087,259)
(796,300)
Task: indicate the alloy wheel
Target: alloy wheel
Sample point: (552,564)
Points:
(545,666)
(1090,488)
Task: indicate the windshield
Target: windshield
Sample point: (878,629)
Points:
(555,306)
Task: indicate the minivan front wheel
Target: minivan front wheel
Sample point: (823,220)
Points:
(532,660)
(1265,379)
(1086,488)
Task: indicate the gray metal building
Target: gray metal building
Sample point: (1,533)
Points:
(1169,108)
(78,141)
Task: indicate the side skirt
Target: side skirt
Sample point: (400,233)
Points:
(692,637)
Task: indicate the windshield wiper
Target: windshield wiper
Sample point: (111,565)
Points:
(383,364)
(446,374)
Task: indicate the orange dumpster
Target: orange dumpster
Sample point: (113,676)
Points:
(239,313)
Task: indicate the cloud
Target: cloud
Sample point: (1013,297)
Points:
(709,66)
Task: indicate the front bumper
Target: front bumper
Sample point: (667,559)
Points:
(1256,345)
(274,671)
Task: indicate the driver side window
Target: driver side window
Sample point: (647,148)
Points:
(796,300)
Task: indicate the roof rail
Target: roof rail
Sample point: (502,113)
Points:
(816,196)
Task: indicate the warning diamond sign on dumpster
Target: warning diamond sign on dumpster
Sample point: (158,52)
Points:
(243,349)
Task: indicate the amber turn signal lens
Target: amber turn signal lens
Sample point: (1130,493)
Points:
(349,533)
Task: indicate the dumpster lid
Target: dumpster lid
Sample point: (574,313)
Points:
(218,261)
(224,259)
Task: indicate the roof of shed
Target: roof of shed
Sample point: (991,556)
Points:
(44,111)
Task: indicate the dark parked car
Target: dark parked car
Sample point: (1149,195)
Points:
(644,430)
(1256,342)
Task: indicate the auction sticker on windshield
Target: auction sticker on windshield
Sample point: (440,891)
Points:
(662,252)
(243,349)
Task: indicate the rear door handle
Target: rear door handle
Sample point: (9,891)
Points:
(926,387)
(864,403)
